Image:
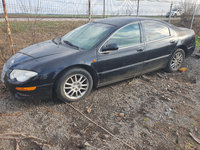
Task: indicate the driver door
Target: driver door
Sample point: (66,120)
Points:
(127,60)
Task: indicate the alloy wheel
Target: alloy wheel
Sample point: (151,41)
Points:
(76,86)
(177,61)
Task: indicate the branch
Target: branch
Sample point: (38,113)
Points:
(15,114)
(21,136)
(195,138)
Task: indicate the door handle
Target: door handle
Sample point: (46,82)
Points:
(172,41)
(140,50)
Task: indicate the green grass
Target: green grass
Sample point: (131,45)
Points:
(21,15)
(198,41)
(25,26)
(49,24)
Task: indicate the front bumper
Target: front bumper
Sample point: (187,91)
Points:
(41,91)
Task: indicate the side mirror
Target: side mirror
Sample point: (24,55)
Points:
(109,47)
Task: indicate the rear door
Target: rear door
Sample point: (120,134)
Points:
(159,44)
(125,62)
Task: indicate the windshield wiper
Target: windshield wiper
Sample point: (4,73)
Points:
(69,43)
(57,41)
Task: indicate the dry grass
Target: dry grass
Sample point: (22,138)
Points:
(28,33)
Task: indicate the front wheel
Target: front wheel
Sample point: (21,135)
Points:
(74,85)
(176,61)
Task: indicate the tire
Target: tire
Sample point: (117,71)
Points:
(74,85)
(176,61)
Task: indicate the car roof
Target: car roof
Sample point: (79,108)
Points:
(121,21)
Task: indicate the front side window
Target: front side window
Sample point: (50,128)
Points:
(155,31)
(126,36)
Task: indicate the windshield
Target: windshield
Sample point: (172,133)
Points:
(87,36)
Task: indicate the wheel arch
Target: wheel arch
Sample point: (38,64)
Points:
(184,48)
(86,67)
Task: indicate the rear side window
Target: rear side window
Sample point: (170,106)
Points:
(155,31)
(126,36)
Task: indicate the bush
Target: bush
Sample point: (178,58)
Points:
(198,41)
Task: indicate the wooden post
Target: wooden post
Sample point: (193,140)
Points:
(104,8)
(89,8)
(170,12)
(194,13)
(138,6)
(8,27)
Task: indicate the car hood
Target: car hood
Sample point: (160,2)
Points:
(46,48)
(40,51)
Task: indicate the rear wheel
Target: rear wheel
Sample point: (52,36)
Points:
(74,85)
(176,61)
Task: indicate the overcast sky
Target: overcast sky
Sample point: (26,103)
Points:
(115,7)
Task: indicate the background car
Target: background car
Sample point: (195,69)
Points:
(97,54)
(176,12)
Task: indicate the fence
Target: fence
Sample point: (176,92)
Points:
(98,7)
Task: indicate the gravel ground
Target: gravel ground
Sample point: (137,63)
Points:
(158,110)
(153,111)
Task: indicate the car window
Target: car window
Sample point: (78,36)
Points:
(126,36)
(155,31)
(173,33)
(174,9)
(89,35)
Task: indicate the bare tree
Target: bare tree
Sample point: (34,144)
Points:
(189,8)
(32,10)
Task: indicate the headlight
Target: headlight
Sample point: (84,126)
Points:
(22,75)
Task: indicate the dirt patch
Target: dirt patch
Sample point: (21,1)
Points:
(160,110)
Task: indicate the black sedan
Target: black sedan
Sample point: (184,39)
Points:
(96,54)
